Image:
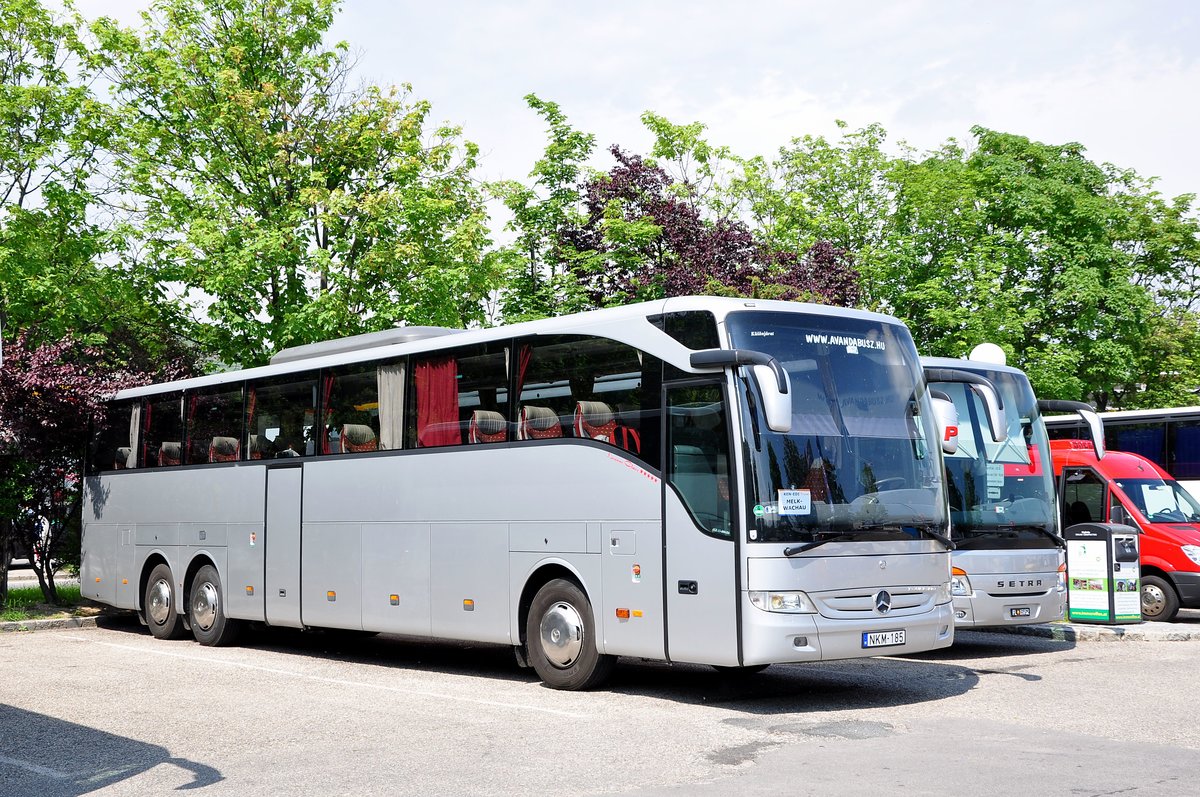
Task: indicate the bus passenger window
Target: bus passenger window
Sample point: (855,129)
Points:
(162,431)
(359,404)
(281,416)
(115,438)
(214,425)
(594,389)
(460,396)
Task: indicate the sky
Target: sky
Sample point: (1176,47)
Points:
(1121,78)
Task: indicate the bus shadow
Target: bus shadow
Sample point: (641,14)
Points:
(788,688)
(53,758)
(994,644)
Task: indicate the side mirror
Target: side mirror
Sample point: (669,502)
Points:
(945,416)
(773,381)
(1085,411)
(997,423)
(776,397)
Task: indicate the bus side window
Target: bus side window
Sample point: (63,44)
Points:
(214,425)
(281,416)
(597,389)
(460,396)
(162,431)
(361,408)
(114,441)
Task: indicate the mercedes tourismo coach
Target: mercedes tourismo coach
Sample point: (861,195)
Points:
(716,481)
(1009,557)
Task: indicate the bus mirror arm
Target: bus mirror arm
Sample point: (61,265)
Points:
(1085,411)
(982,387)
(777,403)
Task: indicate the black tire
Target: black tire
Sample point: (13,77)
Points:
(739,672)
(1160,601)
(206,610)
(160,605)
(560,638)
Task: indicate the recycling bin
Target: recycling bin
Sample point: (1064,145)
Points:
(1103,575)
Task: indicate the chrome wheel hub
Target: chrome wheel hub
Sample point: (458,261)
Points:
(562,634)
(204,606)
(158,602)
(1153,601)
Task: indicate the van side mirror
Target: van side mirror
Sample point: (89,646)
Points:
(993,405)
(945,416)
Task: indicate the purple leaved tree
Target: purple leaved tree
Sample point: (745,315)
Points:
(652,241)
(50,396)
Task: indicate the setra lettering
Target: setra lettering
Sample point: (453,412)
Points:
(1020,583)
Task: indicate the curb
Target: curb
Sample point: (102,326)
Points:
(1073,632)
(50,624)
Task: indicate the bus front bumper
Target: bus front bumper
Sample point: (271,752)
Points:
(777,637)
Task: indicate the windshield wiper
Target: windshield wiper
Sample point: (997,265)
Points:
(808,546)
(1059,541)
(837,535)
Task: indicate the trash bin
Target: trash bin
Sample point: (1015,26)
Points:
(1103,576)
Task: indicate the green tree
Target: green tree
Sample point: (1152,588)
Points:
(539,264)
(293,207)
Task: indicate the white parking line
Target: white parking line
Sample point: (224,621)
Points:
(36,769)
(323,679)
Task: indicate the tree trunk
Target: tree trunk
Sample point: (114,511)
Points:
(6,549)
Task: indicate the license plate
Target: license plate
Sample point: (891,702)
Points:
(1021,612)
(882,639)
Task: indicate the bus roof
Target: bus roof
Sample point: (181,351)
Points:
(1166,414)
(952,362)
(617,323)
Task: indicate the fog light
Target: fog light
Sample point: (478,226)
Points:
(960,615)
(800,642)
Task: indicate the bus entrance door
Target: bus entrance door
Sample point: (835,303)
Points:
(283,545)
(701,562)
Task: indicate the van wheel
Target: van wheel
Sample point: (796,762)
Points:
(206,610)
(560,637)
(159,606)
(1159,600)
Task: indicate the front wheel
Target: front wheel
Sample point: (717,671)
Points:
(1159,599)
(206,611)
(560,637)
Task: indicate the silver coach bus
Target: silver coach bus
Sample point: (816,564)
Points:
(715,481)
(1009,560)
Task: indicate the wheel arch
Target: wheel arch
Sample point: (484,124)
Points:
(540,576)
(153,560)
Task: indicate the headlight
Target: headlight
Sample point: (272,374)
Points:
(790,602)
(1061,586)
(960,585)
(1193,552)
(945,590)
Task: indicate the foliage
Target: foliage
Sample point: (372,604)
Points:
(50,396)
(539,265)
(294,207)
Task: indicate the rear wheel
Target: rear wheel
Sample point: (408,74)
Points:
(560,637)
(159,605)
(206,610)
(1159,599)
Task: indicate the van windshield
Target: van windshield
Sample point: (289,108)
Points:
(1161,501)
(860,461)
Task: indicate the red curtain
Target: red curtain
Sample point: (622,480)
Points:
(436,383)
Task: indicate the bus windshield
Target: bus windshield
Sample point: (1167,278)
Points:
(1161,501)
(1000,491)
(859,462)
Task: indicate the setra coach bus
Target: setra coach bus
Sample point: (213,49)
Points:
(706,480)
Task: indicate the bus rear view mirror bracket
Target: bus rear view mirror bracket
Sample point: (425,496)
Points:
(1087,412)
(997,423)
(773,382)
